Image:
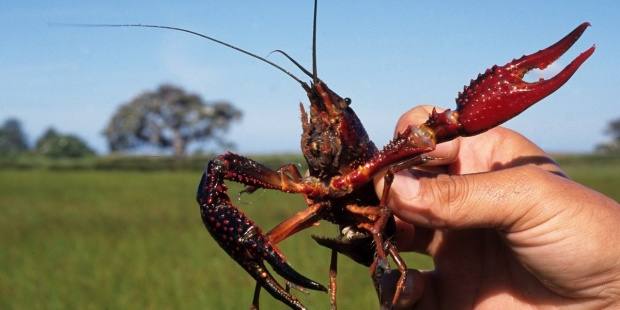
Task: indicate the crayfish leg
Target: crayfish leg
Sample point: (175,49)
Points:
(333,272)
(402,268)
(384,213)
(255,300)
(301,220)
(254,174)
(380,266)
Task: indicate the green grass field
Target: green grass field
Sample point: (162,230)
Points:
(131,240)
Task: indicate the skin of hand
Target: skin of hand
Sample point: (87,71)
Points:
(505,227)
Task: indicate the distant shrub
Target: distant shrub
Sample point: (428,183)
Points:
(12,138)
(56,145)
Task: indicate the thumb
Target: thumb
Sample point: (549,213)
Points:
(498,199)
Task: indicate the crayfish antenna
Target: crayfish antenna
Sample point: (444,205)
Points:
(315,77)
(304,70)
(204,36)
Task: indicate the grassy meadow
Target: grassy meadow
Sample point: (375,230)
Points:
(93,239)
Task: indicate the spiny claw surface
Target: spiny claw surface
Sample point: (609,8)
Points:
(500,93)
(242,239)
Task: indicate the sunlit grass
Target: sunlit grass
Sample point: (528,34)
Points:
(133,240)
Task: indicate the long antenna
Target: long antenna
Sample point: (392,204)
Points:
(293,61)
(303,84)
(315,78)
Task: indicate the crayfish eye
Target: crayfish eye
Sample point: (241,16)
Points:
(344,103)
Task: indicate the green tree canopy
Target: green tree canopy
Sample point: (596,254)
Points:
(169,118)
(613,146)
(56,145)
(12,138)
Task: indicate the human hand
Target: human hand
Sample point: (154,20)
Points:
(505,227)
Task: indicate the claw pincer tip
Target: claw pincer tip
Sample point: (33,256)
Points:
(501,93)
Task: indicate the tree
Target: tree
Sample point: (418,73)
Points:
(167,118)
(56,145)
(612,147)
(12,138)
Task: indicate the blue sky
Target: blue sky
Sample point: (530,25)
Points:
(388,56)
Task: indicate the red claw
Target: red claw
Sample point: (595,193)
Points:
(500,93)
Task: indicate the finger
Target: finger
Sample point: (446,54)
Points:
(429,299)
(491,200)
(445,153)
(500,148)
(416,116)
(414,289)
(408,237)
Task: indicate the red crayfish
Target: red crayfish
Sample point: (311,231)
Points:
(343,161)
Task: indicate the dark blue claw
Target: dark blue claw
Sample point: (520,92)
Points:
(241,238)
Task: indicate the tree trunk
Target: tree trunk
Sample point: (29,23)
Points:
(179,144)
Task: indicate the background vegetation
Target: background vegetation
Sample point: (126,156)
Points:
(129,238)
(84,231)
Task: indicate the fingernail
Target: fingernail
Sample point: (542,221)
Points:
(405,190)
(405,185)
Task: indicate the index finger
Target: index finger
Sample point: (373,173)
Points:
(445,153)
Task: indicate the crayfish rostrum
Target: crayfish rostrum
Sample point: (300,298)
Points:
(343,161)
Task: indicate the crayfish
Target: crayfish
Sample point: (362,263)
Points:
(343,161)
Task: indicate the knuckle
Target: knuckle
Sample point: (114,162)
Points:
(531,172)
(502,132)
(446,196)
(415,116)
(535,181)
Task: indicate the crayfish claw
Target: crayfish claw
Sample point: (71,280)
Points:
(500,93)
(258,271)
(258,248)
(545,87)
(239,236)
(543,58)
(361,250)
(281,267)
